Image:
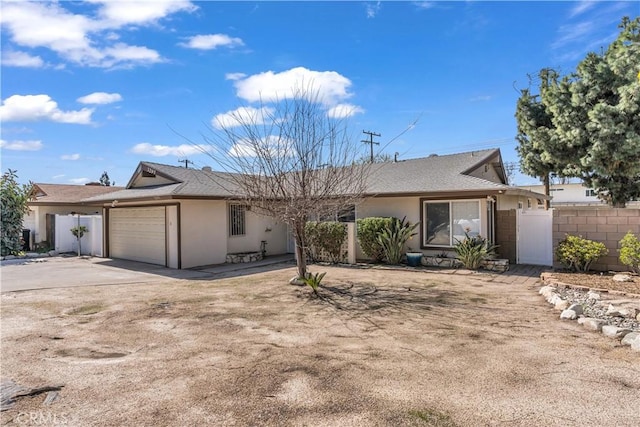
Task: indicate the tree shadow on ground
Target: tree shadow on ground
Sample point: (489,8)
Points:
(361,298)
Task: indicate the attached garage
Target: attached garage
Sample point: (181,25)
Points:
(138,234)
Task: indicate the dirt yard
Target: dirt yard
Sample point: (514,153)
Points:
(381,348)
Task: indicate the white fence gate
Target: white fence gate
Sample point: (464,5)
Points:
(534,237)
(91,242)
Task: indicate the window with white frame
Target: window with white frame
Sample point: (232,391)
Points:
(445,222)
(237,220)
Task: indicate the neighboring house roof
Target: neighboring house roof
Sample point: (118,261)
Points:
(434,174)
(62,194)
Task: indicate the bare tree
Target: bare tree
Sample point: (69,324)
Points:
(289,160)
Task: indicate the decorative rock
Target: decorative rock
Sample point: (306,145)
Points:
(622,278)
(614,331)
(593,295)
(8,257)
(628,339)
(635,344)
(613,311)
(33,255)
(568,315)
(577,308)
(295,280)
(638,317)
(546,290)
(53,253)
(562,305)
(591,323)
(554,299)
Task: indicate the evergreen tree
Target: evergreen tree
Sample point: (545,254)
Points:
(104,179)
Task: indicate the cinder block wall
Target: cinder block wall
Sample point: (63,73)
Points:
(602,224)
(506,234)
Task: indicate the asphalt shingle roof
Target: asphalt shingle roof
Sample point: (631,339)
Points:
(445,173)
(66,194)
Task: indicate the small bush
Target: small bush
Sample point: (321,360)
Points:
(577,254)
(325,239)
(630,251)
(368,231)
(394,237)
(472,251)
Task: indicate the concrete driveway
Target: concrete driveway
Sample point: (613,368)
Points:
(63,272)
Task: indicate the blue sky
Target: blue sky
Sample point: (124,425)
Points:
(100,85)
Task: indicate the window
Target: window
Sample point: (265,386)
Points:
(590,193)
(237,219)
(347,214)
(446,222)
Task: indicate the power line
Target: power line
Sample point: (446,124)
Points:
(370,141)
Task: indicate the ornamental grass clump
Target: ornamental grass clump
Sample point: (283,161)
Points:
(577,254)
(472,251)
(630,252)
(394,237)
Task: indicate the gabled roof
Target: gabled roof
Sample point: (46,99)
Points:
(158,181)
(431,175)
(63,194)
(448,173)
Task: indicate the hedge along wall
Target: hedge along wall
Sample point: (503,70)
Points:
(602,224)
(506,235)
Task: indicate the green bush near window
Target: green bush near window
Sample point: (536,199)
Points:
(630,251)
(472,251)
(368,231)
(577,254)
(394,237)
(325,238)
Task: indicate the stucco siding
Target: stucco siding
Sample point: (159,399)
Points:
(203,234)
(259,228)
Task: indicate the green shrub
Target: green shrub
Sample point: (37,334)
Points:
(368,231)
(577,254)
(313,281)
(13,205)
(394,237)
(630,251)
(325,239)
(472,251)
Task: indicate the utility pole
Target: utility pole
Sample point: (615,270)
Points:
(186,162)
(370,141)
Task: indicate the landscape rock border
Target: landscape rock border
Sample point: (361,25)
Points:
(586,305)
(30,255)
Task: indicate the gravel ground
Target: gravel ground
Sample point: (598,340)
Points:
(379,348)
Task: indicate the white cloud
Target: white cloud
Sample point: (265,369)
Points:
(581,8)
(481,98)
(234,76)
(212,41)
(344,110)
(84,40)
(424,4)
(330,86)
(119,13)
(75,156)
(100,98)
(21,145)
(58,176)
(21,59)
(373,9)
(79,180)
(572,33)
(165,150)
(278,147)
(40,107)
(242,116)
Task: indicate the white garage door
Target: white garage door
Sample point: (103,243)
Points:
(138,234)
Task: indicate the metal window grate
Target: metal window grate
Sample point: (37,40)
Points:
(237,219)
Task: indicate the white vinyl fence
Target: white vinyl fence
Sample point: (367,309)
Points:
(91,242)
